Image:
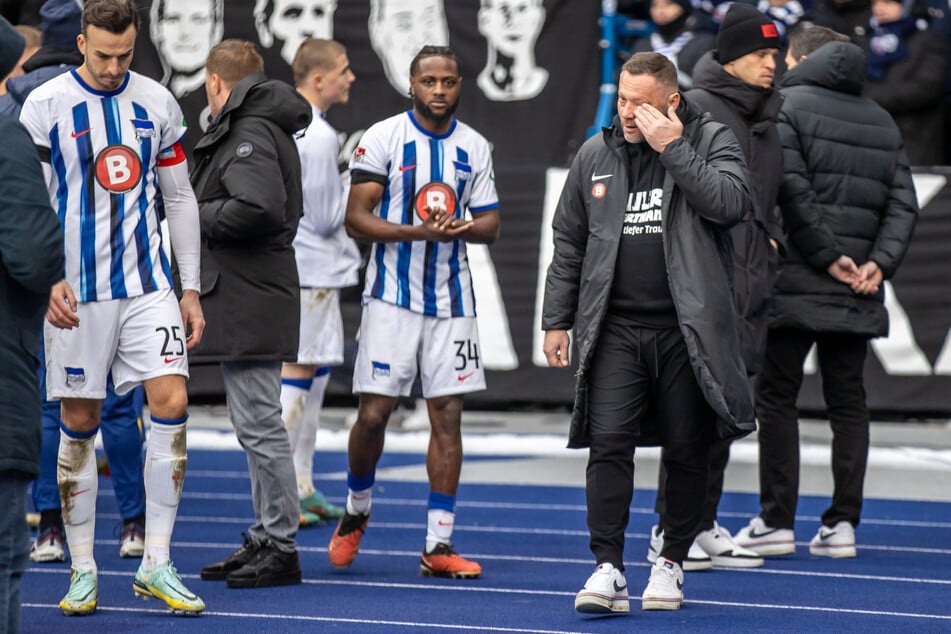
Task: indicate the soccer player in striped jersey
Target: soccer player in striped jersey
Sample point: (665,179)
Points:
(422,186)
(110,142)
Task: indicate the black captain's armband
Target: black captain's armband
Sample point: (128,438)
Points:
(362,176)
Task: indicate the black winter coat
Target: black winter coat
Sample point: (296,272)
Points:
(912,91)
(849,17)
(31,261)
(750,111)
(847,190)
(247,180)
(705,192)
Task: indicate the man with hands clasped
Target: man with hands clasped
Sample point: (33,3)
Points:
(849,210)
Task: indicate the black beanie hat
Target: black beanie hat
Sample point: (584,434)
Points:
(11,47)
(744,29)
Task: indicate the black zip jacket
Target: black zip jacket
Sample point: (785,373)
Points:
(706,191)
(248,184)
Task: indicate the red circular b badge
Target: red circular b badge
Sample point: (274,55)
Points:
(435,196)
(599,190)
(118,169)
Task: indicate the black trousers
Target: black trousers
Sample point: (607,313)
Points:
(719,456)
(640,382)
(841,364)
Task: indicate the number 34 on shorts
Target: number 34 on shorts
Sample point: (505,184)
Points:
(467,356)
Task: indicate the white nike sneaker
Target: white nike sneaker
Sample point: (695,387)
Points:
(837,541)
(605,592)
(665,590)
(718,543)
(765,540)
(696,559)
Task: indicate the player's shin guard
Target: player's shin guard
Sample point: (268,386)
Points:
(165,463)
(78,483)
(293,398)
(310,421)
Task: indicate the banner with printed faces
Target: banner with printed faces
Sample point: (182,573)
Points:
(530,68)
(531,72)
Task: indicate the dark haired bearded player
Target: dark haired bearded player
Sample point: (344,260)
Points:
(414,177)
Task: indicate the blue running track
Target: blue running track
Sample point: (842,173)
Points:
(532,544)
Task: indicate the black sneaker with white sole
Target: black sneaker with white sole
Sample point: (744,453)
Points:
(269,567)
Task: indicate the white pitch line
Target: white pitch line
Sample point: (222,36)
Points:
(581,561)
(530,506)
(811,608)
(510,444)
(509,591)
(442,627)
(211,519)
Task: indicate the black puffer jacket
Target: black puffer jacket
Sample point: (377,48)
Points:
(248,183)
(705,192)
(913,93)
(849,17)
(750,111)
(847,190)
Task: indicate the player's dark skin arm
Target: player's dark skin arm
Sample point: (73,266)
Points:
(484,229)
(363,224)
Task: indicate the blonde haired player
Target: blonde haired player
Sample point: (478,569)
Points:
(327,259)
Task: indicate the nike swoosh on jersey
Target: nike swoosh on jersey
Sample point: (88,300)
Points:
(172,359)
(463,377)
(600,177)
(76,135)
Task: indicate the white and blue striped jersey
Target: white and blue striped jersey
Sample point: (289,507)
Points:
(103,149)
(431,278)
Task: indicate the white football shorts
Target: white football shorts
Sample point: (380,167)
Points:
(394,340)
(321,327)
(138,338)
